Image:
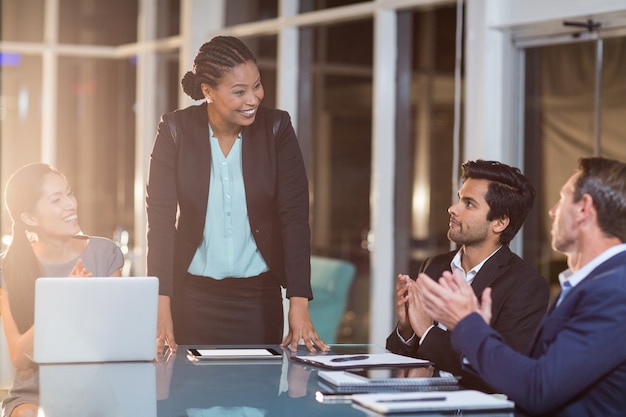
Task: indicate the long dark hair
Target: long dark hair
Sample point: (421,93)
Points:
(214,58)
(20,266)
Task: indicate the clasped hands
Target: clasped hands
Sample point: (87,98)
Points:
(447,301)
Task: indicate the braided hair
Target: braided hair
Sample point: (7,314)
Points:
(213,59)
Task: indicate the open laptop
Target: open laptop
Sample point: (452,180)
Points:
(95,319)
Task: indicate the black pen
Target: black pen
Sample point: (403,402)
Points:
(408,400)
(350,358)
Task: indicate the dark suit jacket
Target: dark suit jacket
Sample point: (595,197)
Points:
(276,186)
(576,363)
(520,298)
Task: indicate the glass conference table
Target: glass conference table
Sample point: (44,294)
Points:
(174,386)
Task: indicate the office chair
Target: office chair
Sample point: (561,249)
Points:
(330,282)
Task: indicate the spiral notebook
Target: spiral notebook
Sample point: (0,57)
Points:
(433,402)
(391,379)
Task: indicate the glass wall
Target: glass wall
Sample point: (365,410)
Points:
(340,160)
(560,126)
(95,139)
(71,102)
(22,21)
(20,116)
(89,22)
(326,4)
(246,11)
(264,49)
(431,127)
(168,18)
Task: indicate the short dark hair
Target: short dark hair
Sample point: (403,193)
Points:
(509,194)
(214,58)
(605,181)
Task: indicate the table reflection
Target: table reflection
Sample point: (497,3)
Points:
(98,389)
(174,386)
(249,388)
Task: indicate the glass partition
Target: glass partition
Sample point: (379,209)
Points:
(264,49)
(245,11)
(22,21)
(431,45)
(560,127)
(95,140)
(340,160)
(327,4)
(111,22)
(20,116)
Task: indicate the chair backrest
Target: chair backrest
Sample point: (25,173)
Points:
(330,282)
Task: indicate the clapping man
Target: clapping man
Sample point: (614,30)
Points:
(492,206)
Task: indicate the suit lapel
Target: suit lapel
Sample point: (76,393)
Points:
(435,267)
(255,157)
(564,307)
(491,270)
(201,149)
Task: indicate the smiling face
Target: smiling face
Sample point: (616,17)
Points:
(468,216)
(56,211)
(237,96)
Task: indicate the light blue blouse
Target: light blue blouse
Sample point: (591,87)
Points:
(228,248)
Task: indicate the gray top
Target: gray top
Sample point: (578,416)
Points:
(101,257)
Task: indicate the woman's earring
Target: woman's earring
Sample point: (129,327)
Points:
(208,100)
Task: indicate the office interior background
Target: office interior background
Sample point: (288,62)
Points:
(388,98)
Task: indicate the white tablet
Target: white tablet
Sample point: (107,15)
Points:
(200,354)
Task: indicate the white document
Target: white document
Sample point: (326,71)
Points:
(361,360)
(415,402)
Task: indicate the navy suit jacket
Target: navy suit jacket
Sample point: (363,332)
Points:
(576,363)
(520,298)
(276,186)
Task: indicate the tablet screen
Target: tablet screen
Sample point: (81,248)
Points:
(225,353)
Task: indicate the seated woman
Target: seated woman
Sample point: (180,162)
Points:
(46,241)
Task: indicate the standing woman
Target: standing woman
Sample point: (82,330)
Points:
(46,242)
(228,207)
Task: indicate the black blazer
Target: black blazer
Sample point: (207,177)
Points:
(520,298)
(276,186)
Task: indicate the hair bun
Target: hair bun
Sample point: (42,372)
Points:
(191,84)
